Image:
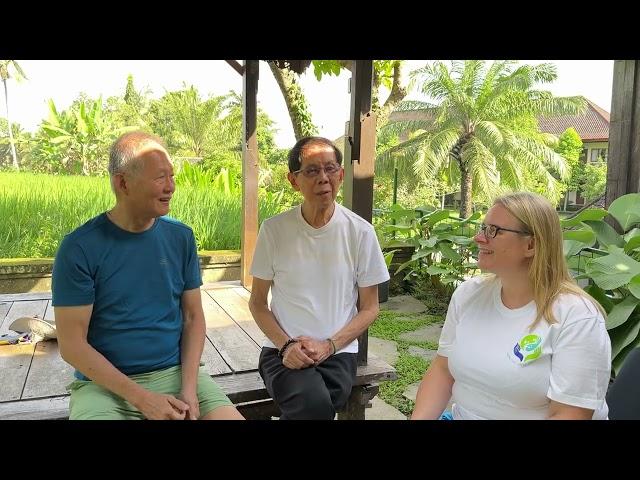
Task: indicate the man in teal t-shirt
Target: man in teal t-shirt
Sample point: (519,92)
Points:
(126,292)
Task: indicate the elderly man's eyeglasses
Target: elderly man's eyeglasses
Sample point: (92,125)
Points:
(310,172)
(490,231)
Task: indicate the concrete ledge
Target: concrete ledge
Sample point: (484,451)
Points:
(21,275)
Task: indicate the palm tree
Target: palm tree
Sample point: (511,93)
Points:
(196,125)
(482,128)
(5,67)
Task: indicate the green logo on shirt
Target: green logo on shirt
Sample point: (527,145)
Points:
(528,348)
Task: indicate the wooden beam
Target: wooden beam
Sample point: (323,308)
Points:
(359,158)
(236,66)
(623,169)
(249,169)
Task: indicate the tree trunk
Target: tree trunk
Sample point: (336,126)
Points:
(466,180)
(398,92)
(295,101)
(11,141)
(465,192)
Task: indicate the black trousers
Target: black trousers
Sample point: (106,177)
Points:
(313,393)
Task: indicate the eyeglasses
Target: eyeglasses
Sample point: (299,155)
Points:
(490,231)
(314,171)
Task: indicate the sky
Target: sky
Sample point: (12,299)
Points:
(63,80)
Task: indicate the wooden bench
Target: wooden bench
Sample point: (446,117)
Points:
(33,377)
(245,390)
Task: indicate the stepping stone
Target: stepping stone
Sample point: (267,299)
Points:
(428,333)
(380,410)
(411,391)
(428,355)
(404,304)
(386,350)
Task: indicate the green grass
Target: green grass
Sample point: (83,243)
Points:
(410,369)
(37,210)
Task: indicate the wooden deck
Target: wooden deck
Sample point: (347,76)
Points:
(33,377)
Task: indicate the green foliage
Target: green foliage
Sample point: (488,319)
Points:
(74,141)
(193,176)
(444,246)
(410,369)
(21,141)
(11,69)
(481,127)
(326,67)
(386,326)
(570,147)
(298,103)
(613,269)
(383,69)
(131,109)
(594,180)
(190,125)
(38,210)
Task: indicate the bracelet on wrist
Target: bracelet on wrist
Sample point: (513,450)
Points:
(333,345)
(285,346)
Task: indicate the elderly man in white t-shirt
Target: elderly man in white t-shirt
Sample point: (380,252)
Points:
(316,258)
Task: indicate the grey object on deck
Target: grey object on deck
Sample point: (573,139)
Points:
(39,327)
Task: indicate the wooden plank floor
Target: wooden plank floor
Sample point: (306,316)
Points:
(36,371)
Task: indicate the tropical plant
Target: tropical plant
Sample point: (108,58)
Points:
(11,69)
(129,109)
(482,129)
(444,246)
(613,269)
(570,147)
(20,142)
(190,125)
(594,180)
(76,140)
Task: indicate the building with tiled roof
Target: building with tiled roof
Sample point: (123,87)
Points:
(592,126)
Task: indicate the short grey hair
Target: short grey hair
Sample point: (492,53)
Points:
(123,155)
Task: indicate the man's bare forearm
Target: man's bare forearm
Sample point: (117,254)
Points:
(266,321)
(354,328)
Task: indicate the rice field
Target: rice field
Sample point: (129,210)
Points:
(37,210)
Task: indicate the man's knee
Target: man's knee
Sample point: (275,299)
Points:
(317,406)
(312,402)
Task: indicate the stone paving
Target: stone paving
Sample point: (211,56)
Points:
(387,350)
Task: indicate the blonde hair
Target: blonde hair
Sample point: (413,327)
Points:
(548,272)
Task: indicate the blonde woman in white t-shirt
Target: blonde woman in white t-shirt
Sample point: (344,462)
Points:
(525,342)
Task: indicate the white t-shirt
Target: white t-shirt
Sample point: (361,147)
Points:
(316,272)
(504,370)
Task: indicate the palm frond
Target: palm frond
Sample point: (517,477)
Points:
(490,134)
(402,150)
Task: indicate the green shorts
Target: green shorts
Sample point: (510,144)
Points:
(90,401)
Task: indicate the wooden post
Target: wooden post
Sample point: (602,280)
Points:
(359,400)
(249,169)
(623,168)
(359,158)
